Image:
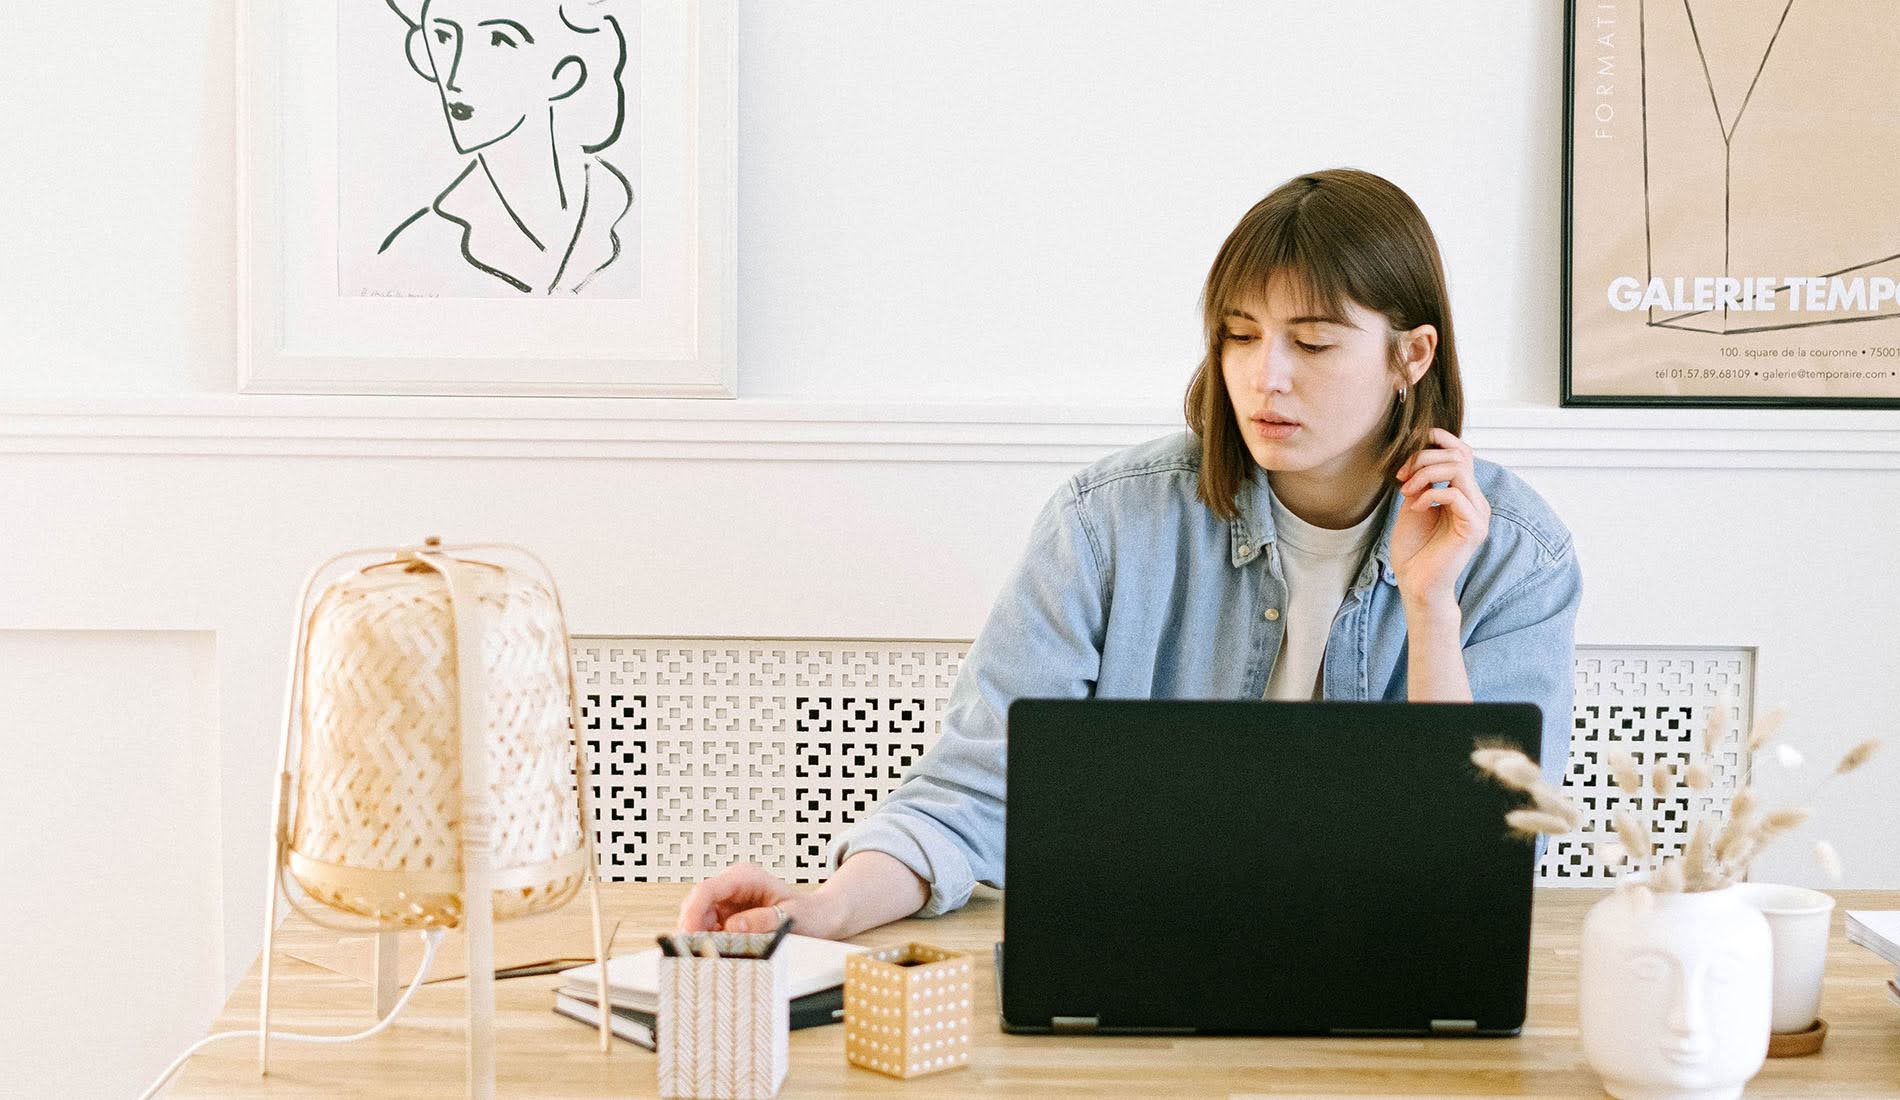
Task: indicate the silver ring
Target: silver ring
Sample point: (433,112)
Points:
(780,910)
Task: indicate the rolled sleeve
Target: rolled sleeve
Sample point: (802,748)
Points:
(1042,640)
(918,844)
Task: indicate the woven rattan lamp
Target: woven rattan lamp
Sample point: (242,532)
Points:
(431,771)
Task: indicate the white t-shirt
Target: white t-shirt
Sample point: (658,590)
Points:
(1319,564)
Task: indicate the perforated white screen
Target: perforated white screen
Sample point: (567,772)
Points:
(706,751)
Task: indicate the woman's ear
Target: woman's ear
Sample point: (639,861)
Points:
(418,51)
(1417,347)
(564,87)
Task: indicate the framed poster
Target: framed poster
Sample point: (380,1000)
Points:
(1731,203)
(473,197)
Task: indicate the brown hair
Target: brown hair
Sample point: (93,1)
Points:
(1339,235)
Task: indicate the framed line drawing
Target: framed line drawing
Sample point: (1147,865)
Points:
(474,197)
(1731,229)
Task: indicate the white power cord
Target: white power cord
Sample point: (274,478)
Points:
(430,939)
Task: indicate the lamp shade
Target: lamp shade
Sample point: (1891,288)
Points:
(379,810)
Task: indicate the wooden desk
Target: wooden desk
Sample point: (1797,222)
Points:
(540,1054)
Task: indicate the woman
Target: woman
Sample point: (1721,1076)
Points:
(532,98)
(1322,532)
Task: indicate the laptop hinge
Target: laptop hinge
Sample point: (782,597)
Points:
(1074,1025)
(1440,1027)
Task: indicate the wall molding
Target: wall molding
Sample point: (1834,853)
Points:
(1521,435)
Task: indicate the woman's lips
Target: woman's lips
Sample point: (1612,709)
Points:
(1271,429)
(460,112)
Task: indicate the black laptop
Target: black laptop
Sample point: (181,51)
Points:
(1262,867)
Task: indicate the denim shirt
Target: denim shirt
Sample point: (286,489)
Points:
(1132,588)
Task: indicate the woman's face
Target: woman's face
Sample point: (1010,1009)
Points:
(1330,377)
(487,64)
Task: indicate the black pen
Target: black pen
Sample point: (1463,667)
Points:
(784,926)
(666,946)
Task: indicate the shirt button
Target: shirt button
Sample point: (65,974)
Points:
(1273,614)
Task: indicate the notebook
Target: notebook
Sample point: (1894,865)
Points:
(1878,930)
(633,1027)
(633,981)
(636,1026)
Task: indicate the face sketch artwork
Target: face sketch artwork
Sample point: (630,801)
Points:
(532,92)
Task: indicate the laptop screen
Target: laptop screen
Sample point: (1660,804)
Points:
(1265,867)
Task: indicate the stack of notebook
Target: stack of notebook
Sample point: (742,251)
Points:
(814,979)
(1878,930)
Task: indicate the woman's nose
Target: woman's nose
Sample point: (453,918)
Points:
(1276,371)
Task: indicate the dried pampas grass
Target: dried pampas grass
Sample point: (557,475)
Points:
(1764,729)
(1623,771)
(1741,819)
(1634,834)
(1530,823)
(1516,771)
(1720,847)
(1775,823)
(1698,858)
(1712,729)
(1549,813)
(1857,756)
(1552,802)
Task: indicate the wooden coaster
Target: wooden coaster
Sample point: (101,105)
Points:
(1794,1044)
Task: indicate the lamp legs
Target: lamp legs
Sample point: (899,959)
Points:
(263,992)
(388,976)
(481,1002)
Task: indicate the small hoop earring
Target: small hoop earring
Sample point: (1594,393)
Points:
(1401,395)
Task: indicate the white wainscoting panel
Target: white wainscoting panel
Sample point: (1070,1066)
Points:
(113,923)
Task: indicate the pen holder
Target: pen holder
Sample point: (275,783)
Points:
(907,1010)
(723,1022)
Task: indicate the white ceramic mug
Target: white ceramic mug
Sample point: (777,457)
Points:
(1798,921)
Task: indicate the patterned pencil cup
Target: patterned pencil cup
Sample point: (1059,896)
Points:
(723,1023)
(907,1010)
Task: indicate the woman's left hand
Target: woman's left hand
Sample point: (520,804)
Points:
(1430,545)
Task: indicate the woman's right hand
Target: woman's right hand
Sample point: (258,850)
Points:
(741,899)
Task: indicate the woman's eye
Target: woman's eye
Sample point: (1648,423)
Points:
(442,36)
(1304,346)
(1238,338)
(500,39)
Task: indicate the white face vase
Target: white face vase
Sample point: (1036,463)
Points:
(1674,996)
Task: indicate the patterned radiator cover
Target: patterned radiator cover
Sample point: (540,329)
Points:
(703,751)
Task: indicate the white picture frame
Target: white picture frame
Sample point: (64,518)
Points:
(326,149)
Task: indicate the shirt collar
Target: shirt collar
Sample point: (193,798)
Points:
(491,242)
(1252,530)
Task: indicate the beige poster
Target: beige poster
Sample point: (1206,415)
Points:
(1733,202)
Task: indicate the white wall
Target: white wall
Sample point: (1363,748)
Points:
(971,236)
(112,940)
(937,201)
